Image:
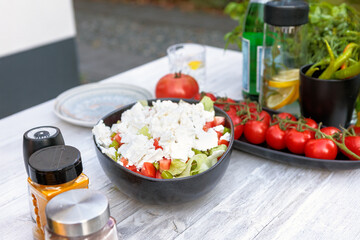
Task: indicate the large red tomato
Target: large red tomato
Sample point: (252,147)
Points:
(176,85)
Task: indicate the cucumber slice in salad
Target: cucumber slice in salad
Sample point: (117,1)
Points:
(208,104)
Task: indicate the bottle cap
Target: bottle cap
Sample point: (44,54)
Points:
(55,165)
(78,212)
(286,13)
(38,138)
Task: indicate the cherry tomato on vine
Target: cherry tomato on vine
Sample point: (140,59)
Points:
(321,148)
(275,137)
(330,130)
(265,117)
(226,104)
(199,96)
(288,116)
(356,130)
(295,140)
(285,115)
(255,131)
(236,120)
(353,144)
(251,105)
(311,123)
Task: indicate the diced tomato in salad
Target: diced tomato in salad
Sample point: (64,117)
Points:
(164,164)
(149,170)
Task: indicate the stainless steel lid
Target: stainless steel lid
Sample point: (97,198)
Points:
(78,212)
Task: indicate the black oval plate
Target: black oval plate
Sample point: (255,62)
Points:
(285,156)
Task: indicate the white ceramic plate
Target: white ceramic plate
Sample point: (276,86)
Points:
(86,104)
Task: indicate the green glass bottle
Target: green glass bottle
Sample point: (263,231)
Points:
(252,45)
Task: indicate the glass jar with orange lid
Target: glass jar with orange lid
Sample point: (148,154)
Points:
(53,170)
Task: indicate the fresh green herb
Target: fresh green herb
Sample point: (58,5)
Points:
(237,12)
(339,25)
(344,66)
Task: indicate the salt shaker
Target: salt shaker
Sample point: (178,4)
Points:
(38,138)
(80,214)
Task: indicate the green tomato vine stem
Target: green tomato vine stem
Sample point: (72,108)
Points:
(317,131)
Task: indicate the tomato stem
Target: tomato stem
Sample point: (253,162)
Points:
(341,145)
(178,75)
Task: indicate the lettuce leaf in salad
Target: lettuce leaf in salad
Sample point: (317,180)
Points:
(211,160)
(193,165)
(145,131)
(176,167)
(215,153)
(144,103)
(200,152)
(201,162)
(208,104)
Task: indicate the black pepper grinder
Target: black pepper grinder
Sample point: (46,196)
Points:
(38,138)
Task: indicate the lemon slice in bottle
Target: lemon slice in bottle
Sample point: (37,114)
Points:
(282,97)
(284,84)
(287,75)
(296,95)
(195,64)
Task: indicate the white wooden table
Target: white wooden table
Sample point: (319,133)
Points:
(256,199)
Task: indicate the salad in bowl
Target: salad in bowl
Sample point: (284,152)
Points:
(166,140)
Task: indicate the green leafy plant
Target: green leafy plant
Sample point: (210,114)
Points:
(237,12)
(339,25)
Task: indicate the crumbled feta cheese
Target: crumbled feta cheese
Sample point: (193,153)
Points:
(102,134)
(206,140)
(226,137)
(219,128)
(109,151)
(178,126)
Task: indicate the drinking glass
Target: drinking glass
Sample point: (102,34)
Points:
(189,58)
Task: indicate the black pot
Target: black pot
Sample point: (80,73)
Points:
(331,101)
(163,191)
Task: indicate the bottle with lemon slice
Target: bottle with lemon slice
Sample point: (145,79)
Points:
(284,48)
(283,90)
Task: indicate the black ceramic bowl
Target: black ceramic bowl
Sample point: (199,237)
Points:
(163,191)
(330,101)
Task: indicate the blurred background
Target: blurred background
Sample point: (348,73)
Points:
(114,36)
(71,42)
(117,35)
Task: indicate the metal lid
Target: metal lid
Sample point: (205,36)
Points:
(38,138)
(286,13)
(78,212)
(55,165)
